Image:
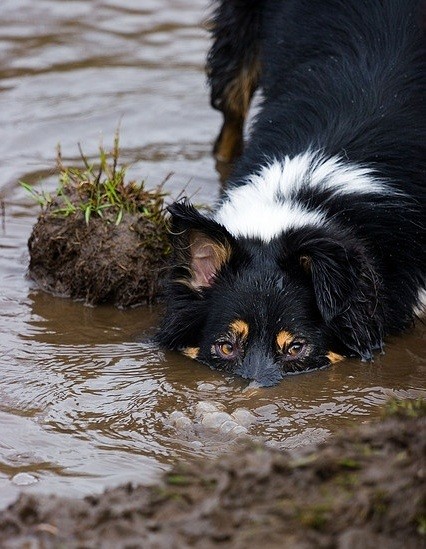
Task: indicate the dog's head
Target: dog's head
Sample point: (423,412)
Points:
(262,311)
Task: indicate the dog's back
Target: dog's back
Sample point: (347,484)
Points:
(346,77)
(322,222)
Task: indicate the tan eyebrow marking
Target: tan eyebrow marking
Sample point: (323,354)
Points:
(191,352)
(240,328)
(334,357)
(284,339)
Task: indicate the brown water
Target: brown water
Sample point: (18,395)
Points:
(85,398)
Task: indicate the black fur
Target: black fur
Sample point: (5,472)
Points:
(345,78)
(236,27)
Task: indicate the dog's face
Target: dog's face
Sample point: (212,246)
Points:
(261,324)
(262,311)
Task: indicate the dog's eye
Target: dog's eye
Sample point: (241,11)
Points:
(226,350)
(295,349)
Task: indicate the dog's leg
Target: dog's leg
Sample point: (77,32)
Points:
(233,70)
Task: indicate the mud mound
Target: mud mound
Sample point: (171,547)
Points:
(99,239)
(364,488)
(99,261)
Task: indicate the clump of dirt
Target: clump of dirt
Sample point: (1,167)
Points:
(364,488)
(100,239)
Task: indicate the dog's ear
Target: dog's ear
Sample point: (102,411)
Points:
(345,287)
(201,246)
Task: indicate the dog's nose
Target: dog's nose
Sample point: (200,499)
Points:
(257,366)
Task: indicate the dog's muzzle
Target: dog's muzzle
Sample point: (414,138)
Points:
(259,367)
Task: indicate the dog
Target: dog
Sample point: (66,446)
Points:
(316,249)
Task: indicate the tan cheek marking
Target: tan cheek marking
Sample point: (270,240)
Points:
(284,339)
(240,328)
(334,357)
(191,352)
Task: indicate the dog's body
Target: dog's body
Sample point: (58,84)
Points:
(317,248)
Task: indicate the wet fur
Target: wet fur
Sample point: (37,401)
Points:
(341,137)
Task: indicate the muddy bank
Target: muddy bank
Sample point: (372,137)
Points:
(364,488)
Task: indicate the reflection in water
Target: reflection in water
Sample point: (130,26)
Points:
(86,400)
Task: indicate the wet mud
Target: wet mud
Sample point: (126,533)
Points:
(100,261)
(363,488)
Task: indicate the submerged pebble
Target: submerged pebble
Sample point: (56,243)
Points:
(183,423)
(214,420)
(205,406)
(206,387)
(24,479)
(243,417)
(211,417)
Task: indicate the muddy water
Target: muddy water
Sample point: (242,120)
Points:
(86,401)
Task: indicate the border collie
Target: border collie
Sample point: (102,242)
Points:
(316,249)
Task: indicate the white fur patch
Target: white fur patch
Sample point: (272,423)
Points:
(420,308)
(267,204)
(251,214)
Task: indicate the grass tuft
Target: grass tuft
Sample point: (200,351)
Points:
(99,188)
(405,408)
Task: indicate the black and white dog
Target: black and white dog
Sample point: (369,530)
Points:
(317,248)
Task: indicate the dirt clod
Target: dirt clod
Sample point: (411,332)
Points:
(99,239)
(99,262)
